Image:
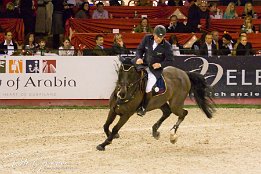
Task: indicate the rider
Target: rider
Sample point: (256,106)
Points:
(155,53)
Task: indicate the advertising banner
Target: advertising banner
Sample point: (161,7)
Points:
(57,77)
(89,77)
(231,77)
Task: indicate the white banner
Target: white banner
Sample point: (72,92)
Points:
(57,77)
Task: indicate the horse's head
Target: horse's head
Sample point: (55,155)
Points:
(128,82)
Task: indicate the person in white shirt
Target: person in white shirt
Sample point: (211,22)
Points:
(8,46)
(208,48)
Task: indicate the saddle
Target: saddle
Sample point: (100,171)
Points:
(160,87)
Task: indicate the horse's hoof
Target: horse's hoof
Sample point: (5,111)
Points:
(156,135)
(173,138)
(100,148)
(117,135)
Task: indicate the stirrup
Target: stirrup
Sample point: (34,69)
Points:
(141,111)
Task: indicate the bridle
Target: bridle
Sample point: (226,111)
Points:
(137,83)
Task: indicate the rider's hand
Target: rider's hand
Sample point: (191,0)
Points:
(139,61)
(156,65)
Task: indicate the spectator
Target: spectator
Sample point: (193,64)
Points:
(249,11)
(175,3)
(98,50)
(11,11)
(8,46)
(176,47)
(30,43)
(248,26)
(67,49)
(84,12)
(193,24)
(215,39)
(42,49)
(204,12)
(118,46)
(230,12)
(28,10)
(143,27)
(213,10)
(175,26)
(244,48)
(208,48)
(57,22)
(227,45)
(100,13)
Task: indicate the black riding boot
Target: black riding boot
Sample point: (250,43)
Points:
(142,109)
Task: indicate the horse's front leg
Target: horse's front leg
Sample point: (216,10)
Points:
(166,113)
(111,117)
(115,130)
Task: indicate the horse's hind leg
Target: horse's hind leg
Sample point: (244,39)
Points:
(166,113)
(111,117)
(176,105)
(115,130)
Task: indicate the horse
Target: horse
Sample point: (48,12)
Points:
(130,89)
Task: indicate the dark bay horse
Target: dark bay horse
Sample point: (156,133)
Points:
(130,89)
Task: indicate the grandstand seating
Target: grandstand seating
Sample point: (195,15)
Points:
(131,40)
(16,26)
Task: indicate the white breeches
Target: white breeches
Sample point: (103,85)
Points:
(151,80)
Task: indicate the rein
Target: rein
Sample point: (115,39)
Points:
(134,91)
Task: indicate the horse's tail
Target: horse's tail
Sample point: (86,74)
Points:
(201,92)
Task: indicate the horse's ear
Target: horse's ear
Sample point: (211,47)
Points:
(126,60)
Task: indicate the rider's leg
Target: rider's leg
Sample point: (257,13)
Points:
(151,82)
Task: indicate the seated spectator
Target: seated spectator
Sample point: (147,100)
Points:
(98,50)
(213,10)
(100,13)
(143,27)
(249,11)
(11,11)
(145,3)
(176,47)
(227,45)
(42,49)
(118,46)
(30,43)
(67,49)
(244,48)
(84,12)
(208,48)
(216,40)
(248,26)
(230,12)
(175,26)
(175,3)
(8,46)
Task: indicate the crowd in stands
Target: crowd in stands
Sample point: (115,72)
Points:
(209,44)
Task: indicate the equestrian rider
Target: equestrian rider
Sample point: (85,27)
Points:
(155,53)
